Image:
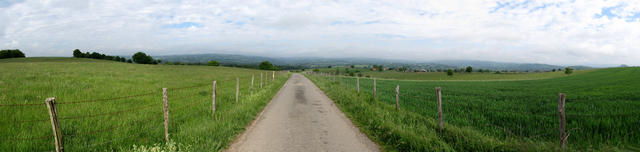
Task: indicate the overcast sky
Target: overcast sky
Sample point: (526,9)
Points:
(587,32)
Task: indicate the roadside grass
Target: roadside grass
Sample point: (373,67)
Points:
(498,115)
(119,123)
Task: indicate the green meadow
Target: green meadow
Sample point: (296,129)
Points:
(113,106)
(519,115)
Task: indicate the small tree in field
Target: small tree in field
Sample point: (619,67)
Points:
(568,70)
(266,65)
(213,63)
(469,69)
(450,72)
(142,58)
(77,53)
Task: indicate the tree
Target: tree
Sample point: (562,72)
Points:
(11,54)
(568,70)
(469,69)
(77,54)
(213,63)
(353,66)
(142,58)
(553,70)
(266,65)
(329,67)
(450,72)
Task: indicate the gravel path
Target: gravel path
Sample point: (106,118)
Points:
(302,118)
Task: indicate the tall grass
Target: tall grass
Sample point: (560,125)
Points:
(116,124)
(601,108)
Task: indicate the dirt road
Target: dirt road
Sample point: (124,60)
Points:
(302,118)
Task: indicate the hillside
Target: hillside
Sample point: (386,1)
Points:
(316,62)
(112,106)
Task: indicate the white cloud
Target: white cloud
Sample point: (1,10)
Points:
(545,31)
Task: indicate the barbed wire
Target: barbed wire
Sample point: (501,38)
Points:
(107,113)
(25,139)
(107,99)
(110,128)
(21,105)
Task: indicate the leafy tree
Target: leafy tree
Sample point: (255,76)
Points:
(77,54)
(142,58)
(353,66)
(214,63)
(469,69)
(11,54)
(568,70)
(450,72)
(266,65)
(129,61)
(553,70)
(329,67)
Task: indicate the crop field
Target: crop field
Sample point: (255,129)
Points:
(461,76)
(601,109)
(107,106)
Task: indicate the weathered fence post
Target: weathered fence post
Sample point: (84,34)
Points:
(260,79)
(439,94)
(563,125)
(166,114)
(397,92)
(251,88)
(273,76)
(213,98)
(374,89)
(358,84)
(237,88)
(55,124)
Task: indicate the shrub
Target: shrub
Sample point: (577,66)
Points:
(469,69)
(450,72)
(266,65)
(11,54)
(142,58)
(568,70)
(213,63)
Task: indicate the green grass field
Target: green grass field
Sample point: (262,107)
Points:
(601,112)
(93,117)
(441,76)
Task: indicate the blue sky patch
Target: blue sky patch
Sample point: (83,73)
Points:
(183,25)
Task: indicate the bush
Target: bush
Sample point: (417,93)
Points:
(11,54)
(266,65)
(77,54)
(213,63)
(450,72)
(469,69)
(142,58)
(568,70)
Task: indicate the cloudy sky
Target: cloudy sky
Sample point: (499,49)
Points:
(588,32)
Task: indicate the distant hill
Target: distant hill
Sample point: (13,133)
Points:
(315,62)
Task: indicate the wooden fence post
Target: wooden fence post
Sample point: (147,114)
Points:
(563,125)
(374,89)
(55,124)
(273,76)
(237,88)
(213,96)
(251,88)
(260,79)
(358,84)
(166,114)
(439,94)
(397,92)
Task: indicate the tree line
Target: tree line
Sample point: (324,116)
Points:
(139,57)
(4,54)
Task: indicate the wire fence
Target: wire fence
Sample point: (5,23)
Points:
(464,113)
(183,97)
